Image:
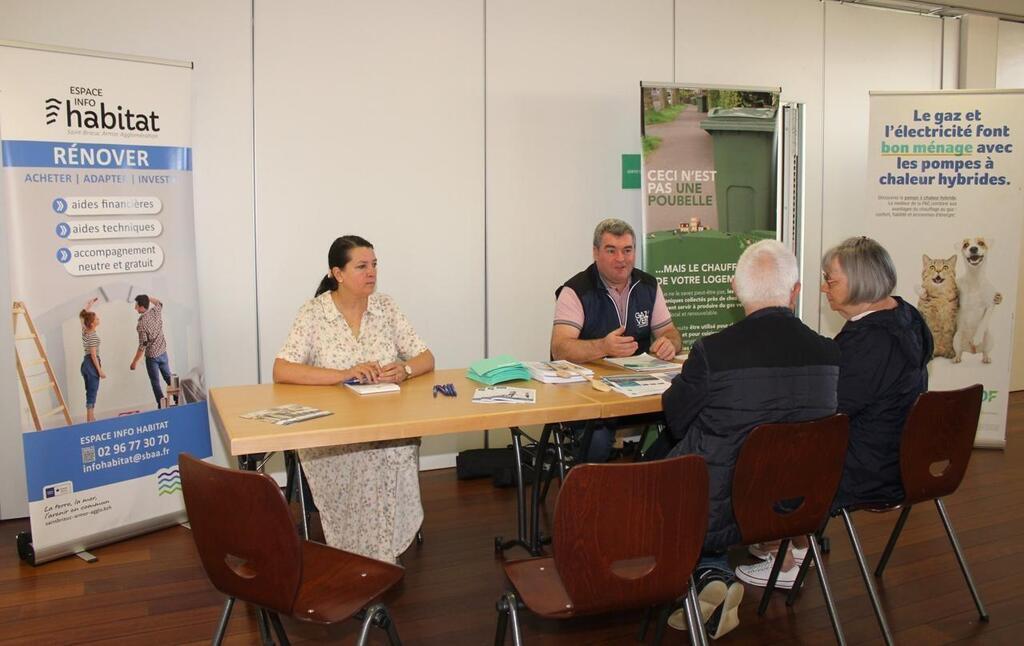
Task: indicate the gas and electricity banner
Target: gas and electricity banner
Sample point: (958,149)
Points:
(710,187)
(945,197)
(97,184)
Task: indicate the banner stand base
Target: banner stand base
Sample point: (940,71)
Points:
(88,557)
(25,551)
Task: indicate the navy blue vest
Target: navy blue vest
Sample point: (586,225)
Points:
(600,315)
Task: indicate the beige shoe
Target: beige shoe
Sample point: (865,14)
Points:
(712,596)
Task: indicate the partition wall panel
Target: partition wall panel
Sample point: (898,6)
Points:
(865,49)
(1010,74)
(563,105)
(369,121)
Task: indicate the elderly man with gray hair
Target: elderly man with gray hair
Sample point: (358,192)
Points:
(721,394)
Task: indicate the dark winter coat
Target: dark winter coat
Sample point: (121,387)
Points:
(882,371)
(767,368)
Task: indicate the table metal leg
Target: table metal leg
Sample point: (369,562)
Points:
(521,539)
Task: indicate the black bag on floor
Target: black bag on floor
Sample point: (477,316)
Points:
(483,463)
(497,464)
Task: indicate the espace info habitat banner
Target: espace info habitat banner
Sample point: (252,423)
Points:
(97,173)
(946,198)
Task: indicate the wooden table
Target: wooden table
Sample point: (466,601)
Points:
(416,412)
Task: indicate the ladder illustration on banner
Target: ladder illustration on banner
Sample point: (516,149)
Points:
(19,309)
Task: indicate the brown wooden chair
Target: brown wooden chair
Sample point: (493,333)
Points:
(783,485)
(625,536)
(934,451)
(250,551)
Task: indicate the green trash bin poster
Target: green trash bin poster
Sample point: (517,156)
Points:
(709,190)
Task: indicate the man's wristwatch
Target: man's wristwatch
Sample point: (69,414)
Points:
(408,370)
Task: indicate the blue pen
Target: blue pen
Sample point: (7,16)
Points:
(353,381)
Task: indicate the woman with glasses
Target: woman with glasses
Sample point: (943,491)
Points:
(885,347)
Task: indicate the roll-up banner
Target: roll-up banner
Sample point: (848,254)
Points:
(946,197)
(710,177)
(97,208)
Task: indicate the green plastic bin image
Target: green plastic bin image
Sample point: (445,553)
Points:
(743,140)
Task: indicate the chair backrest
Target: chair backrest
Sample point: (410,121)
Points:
(244,533)
(937,442)
(629,535)
(786,477)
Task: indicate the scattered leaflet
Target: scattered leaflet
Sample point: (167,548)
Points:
(644,363)
(504,395)
(639,385)
(373,389)
(558,372)
(287,414)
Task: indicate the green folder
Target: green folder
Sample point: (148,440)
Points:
(497,370)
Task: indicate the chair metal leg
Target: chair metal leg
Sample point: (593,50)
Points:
(300,484)
(876,604)
(882,562)
(513,613)
(659,628)
(982,613)
(275,623)
(382,619)
(801,575)
(369,619)
(222,626)
(549,472)
(499,634)
(826,590)
(692,621)
(697,628)
(780,557)
(798,583)
(644,623)
(560,452)
(263,622)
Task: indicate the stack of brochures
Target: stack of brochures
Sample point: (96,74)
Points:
(558,372)
(639,385)
(644,363)
(497,370)
(504,395)
(373,389)
(287,414)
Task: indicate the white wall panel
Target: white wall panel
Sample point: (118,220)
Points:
(216,37)
(563,104)
(369,120)
(1010,74)
(755,43)
(865,49)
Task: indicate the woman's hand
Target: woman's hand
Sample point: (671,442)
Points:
(393,372)
(103,375)
(366,373)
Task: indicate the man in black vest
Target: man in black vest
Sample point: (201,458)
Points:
(611,309)
(767,368)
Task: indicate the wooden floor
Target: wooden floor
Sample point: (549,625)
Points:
(152,590)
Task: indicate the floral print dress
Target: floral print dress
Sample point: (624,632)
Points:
(368,494)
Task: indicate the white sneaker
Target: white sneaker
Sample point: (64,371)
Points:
(758,573)
(757,550)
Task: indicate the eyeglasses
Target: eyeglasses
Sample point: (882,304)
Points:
(829,282)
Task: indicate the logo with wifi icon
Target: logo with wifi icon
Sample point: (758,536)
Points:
(52,110)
